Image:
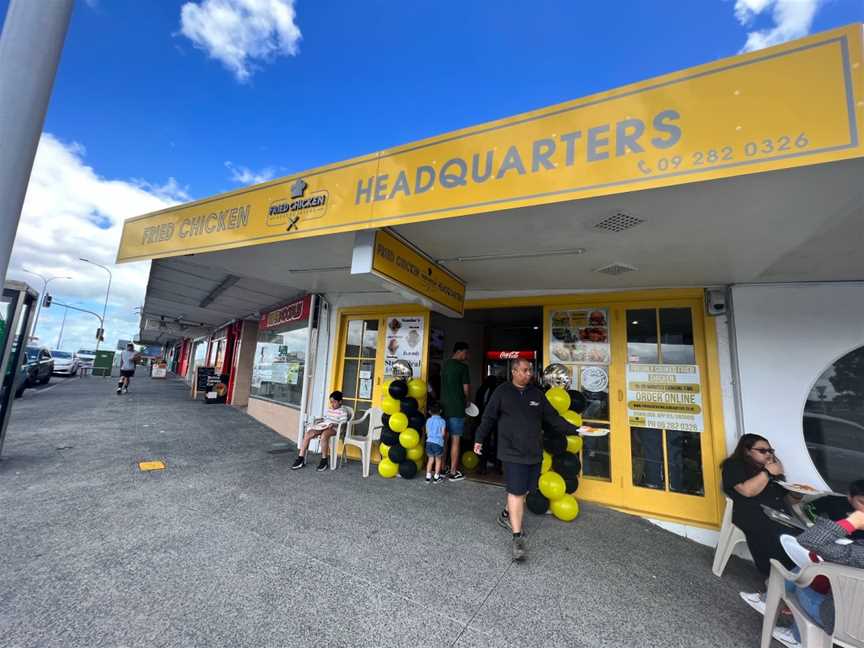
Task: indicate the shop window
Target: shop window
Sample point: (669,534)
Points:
(279,365)
(834,421)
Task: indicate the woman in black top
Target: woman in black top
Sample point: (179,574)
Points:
(749,479)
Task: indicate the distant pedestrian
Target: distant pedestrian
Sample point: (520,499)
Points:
(435,429)
(455,387)
(325,428)
(128,358)
(521,411)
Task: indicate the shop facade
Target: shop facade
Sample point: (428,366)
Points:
(672,243)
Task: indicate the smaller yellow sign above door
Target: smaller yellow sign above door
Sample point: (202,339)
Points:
(408,271)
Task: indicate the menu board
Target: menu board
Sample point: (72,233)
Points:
(580,336)
(665,397)
(404,342)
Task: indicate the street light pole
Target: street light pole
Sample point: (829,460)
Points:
(107,292)
(62,326)
(45,282)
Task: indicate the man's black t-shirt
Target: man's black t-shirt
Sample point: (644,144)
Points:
(747,511)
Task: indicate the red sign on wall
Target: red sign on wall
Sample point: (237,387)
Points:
(511,355)
(297,311)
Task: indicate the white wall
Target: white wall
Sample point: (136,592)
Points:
(787,336)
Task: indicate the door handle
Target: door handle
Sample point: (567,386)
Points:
(620,395)
(378,380)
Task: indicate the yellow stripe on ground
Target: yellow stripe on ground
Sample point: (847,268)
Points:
(144,466)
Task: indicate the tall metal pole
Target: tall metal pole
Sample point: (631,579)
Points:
(45,282)
(62,326)
(107,292)
(30,47)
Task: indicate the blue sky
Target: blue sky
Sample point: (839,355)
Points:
(164,101)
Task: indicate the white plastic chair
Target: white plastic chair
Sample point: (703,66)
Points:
(364,442)
(847,588)
(799,555)
(315,445)
(730,537)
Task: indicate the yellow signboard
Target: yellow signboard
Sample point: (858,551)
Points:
(792,105)
(405,268)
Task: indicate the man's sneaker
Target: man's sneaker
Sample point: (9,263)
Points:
(519,548)
(438,479)
(119,390)
(323,465)
(299,462)
(125,390)
(428,478)
(504,521)
(755,600)
(457,476)
(786,637)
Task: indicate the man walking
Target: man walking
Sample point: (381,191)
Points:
(128,358)
(520,410)
(455,387)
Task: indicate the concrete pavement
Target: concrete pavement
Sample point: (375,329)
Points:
(227,547)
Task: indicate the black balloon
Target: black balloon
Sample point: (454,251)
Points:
(567,465)
(416,420)
(409,405)
(389,437)
(555,444)
(578,402)
(407,469)
(385,420)
(571,485)
(537,502)
(398,389)
(397,454)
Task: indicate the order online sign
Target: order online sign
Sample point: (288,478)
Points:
(665,397)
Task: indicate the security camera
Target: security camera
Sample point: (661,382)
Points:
(715,302)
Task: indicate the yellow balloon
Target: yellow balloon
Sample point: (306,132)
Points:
(470,461)
(398,421)
(565,508)
(572,418)
(417,389)
(574,443)
(552,485)
(383,449)
(419,464)
(559,398)
(416,453)
(390,405)
(387,469)
(547,462)
(408,438)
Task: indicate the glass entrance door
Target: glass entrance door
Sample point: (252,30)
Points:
(667,456)
(640,371)
(360,371)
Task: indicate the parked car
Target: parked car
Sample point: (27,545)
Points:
(39,365)
(65,363)
(85,357)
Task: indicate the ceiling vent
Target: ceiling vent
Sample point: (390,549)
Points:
(616,269)
(618,223)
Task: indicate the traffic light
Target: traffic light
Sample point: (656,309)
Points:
(100,334)
(46,301)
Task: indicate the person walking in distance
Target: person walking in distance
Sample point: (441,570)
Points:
(128,358)
(455,387)
(521,411)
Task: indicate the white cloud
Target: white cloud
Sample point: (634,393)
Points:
(245,176)
(240,32)
(70,212)
(791,19)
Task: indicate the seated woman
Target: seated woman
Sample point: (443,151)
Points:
(749,479)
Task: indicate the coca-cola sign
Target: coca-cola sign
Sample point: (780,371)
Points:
(511,355)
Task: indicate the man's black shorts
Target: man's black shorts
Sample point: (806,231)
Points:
(521,479)
(127,373)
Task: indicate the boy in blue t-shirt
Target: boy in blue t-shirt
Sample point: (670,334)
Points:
(435,428)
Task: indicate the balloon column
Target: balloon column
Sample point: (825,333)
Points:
(559,476)
(402,402)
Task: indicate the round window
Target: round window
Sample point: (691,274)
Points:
(834,421)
